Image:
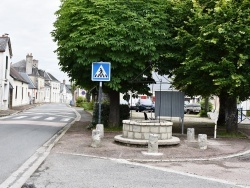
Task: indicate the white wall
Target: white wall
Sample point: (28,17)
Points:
(55,91)
(4,76)
(20,93)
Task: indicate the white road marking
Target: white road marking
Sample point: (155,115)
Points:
(65,119)
(50,118)
(45,123)
(36,117)
(19,117)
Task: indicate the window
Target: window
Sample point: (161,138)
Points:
(6,67)
(16,93)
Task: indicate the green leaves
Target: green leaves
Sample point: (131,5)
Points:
(128,34)
(215,47)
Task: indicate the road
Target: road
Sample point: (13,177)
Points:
(78,171)
(21,135)
(73,163)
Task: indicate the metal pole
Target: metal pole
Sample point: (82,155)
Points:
(100,102)
(160,104)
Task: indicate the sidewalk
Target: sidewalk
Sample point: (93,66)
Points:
(17,109)
(78,139)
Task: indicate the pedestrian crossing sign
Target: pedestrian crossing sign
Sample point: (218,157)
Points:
(101,71)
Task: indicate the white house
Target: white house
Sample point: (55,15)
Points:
(46,87)
(32,90)
(65,93)
(5,61)
(52,85)
(20,89)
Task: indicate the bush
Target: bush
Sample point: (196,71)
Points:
(105,110)
(88,105)
(79,101)
(210,105)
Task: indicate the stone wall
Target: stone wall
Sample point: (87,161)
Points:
(140,130)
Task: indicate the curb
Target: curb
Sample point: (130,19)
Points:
(21,175)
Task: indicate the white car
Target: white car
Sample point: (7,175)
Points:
(192,108)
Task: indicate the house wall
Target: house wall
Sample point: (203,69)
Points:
(20,93)
(4,76)
(40,92)
(47,94)
(55,91)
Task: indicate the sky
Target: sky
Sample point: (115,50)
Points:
(29,24)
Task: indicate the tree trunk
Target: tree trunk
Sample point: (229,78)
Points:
(206,107)
(221,122)
(231,114)
(114,114)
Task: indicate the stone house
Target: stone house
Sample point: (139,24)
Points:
(5,61)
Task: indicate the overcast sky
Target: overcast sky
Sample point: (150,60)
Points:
(29,24)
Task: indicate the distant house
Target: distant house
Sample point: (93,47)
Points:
(46,86)
(65,93)
(32,90)
(5,61)
(20,89)
(52,88)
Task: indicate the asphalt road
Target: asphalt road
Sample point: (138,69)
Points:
(66,170)
(22,134)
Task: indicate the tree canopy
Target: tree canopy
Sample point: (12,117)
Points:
(129,34)
(214,58)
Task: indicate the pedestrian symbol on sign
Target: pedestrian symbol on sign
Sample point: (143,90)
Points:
(100,73)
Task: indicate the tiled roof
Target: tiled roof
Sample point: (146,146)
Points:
(20,66)
(47,77)
(67,87)
(3,44)
(41,73)
(27,78)
(52,77)
(15,75)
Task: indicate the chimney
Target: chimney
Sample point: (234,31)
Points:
(29,61)
(5,35)
(35,63)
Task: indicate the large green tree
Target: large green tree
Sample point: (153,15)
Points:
(129,34)
(214,57)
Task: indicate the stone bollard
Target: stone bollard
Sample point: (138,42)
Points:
(190,135)
(202,141)
(96,139)
(153,143)
(101,129)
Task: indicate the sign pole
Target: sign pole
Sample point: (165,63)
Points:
(100,102)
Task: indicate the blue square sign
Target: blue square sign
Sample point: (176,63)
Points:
(101,71)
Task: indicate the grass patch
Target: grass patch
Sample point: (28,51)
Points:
(225,134)
(113,129)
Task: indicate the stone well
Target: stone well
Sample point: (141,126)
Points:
(137,132)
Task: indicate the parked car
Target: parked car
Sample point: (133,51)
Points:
(192,108)
(133,102)
(145,105)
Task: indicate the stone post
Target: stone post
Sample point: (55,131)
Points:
(153,143)
(101,129)
(202,141)
(96,139)
(190,135)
